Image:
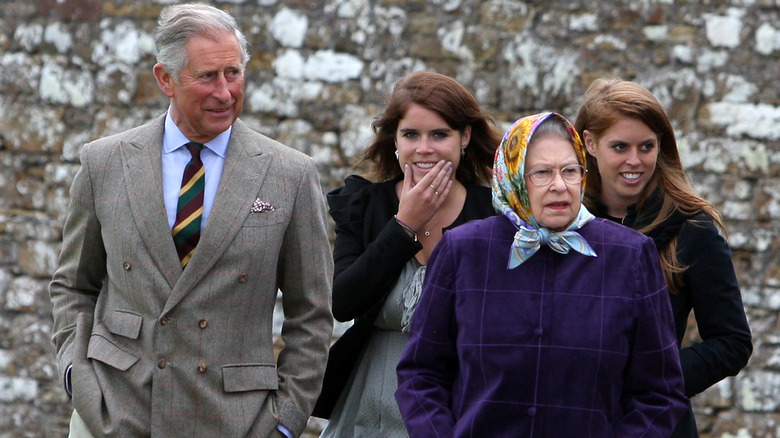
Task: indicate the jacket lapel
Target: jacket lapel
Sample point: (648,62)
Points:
(143,171)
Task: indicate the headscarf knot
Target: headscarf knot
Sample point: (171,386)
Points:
(528,240)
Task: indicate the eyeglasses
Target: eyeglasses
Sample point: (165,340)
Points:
(542,176)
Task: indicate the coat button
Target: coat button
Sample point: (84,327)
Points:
(202,368)
(203,323)
(165,320)
(538,331)
(127,266)
(531,411)
(243,278)
(162,363)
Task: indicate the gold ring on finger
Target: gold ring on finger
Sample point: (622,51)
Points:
(436,193)
(431,186)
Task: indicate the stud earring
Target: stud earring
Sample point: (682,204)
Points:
(463,152)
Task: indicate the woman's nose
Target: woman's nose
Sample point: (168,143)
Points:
(633,156)
(424,147)
(558,184)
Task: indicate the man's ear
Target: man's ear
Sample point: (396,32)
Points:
(164,79)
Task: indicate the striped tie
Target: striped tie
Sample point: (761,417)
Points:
(186,229)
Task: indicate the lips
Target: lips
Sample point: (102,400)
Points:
(562,205)
(631,176)
(220,111)
(424,165)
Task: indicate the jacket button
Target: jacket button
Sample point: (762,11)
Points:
(127,266)
(202,368)
(531,411)
(162,363)
(243,278)
(203,323)
(165,320)
(538,331)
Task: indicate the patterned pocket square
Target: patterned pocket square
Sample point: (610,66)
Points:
(260,206)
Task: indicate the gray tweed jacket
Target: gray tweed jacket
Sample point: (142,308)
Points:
(161,351)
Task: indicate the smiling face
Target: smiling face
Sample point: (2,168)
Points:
(626,154)
(209,94)
(423,138)
(558,203)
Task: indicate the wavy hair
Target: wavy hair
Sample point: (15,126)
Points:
(607,101)
(456,105)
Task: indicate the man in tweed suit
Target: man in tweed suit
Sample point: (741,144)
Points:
(149,344)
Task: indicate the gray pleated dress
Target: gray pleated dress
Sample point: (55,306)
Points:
(367,406)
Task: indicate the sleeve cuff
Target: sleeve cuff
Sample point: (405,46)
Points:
(284,431)
(68,386)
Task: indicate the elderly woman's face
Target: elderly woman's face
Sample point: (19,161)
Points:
(556,204)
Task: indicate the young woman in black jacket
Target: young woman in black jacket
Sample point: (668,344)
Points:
(635,177)
(431,160)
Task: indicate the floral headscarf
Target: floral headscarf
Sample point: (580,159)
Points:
(510,194)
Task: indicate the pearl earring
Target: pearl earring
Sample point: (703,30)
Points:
(396,155)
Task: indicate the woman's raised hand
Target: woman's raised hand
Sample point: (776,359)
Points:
(420,200)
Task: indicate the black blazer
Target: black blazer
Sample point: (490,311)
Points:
(709,288)
(369,254)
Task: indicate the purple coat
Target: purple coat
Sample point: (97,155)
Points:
(563,345)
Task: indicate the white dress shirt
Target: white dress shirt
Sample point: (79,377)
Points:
(175,158)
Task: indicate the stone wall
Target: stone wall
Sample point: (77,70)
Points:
(76,70)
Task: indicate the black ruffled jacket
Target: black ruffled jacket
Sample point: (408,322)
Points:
(709,287)
(369,254)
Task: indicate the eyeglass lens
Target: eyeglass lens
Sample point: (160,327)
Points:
(545,175)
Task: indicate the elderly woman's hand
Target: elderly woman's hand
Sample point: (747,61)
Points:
(420,200)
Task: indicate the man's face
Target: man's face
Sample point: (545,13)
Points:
(209,95)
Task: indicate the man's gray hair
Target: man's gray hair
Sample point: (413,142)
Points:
(178,23)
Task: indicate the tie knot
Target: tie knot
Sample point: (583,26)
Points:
(194,148)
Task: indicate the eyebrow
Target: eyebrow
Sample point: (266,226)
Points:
(546,163)
(445,129)
(645,140)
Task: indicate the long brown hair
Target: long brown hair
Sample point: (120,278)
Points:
(609,100)
(456,105)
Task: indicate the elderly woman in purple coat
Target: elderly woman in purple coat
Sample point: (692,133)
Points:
(543,321)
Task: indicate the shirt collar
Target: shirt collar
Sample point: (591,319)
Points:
(174,139)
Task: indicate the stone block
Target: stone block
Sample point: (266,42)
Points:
(17,389)
(32,130)
(19,74)
(28,295)
(71,10)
